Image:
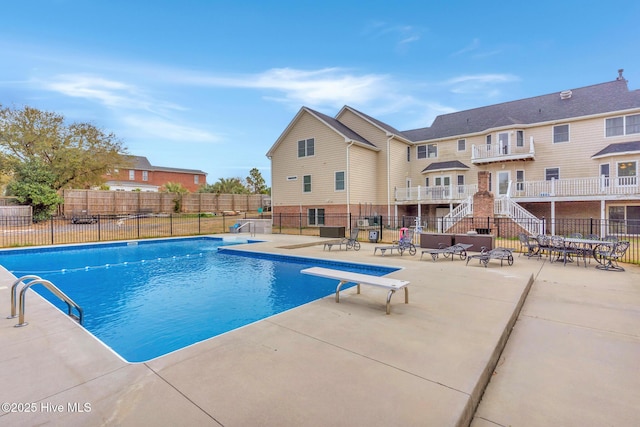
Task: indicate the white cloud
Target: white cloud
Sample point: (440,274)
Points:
(485,83)
(154,127)
(108,92)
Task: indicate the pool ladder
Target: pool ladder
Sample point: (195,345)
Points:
(37,280)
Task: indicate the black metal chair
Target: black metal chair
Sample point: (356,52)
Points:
(529,246)
(608,256)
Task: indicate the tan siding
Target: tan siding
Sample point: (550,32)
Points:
(330,156)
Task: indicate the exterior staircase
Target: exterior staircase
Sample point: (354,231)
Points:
(503,207)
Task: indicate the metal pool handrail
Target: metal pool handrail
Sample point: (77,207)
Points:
(36,280)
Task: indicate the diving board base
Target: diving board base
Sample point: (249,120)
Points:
(365,279)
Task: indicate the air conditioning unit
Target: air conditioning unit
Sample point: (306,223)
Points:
(363,222)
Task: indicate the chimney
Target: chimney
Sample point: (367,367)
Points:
(620,71)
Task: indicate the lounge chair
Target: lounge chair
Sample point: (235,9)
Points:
(350,242)
(459,249)
(485,255)
(404,244)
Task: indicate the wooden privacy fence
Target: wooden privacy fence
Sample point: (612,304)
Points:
(16,215)
(101,202)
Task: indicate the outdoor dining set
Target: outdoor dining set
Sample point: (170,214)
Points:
(606,252)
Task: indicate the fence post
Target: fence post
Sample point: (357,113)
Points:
(99,217)
(170,224)
(52,240)
(300,222)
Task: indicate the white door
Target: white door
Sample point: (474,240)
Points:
(443,185)
(503,182)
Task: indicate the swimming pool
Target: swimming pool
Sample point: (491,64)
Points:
(146,299)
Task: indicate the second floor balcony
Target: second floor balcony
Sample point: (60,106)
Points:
(502,151)
(590,188)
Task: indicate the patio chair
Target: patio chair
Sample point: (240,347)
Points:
(459,249)
(405,243)
(529,246)
(544,244)
(485,255)
(608,256)
(350,242)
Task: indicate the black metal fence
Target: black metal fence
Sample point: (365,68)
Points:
(505,230)
(16,232)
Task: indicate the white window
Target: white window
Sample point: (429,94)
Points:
(560,133)
(462,145)
(196,179)
(519,180)
(315,216)
(460,184)
(627,173)
(145,175)
(306,184)
(488,139)
(306,147)
(132,174)
(339,181)
(519,138)
(408,154)
(632,124)
(625,125)
(427,151)
(604,174)
(551,173)
(503,142)
(614,126)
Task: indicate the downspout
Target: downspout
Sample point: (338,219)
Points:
(389,177)
(348,184)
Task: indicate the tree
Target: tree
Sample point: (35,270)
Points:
(225,186)
(255,182)
(177,189)
(32,185)
(74,155)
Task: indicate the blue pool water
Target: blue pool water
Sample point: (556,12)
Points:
(149,298)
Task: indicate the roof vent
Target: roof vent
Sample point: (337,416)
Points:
(565,94)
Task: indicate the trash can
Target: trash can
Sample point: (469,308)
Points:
(373,236)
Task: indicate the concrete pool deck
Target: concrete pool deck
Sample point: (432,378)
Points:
(571,356)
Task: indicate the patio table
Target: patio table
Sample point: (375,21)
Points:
(590,245)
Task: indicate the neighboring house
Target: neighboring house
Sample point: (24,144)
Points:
(143,176)
(569,154)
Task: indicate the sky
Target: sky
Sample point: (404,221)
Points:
(211,85)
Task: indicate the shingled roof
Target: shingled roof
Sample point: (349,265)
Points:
(619,148)
(584,101)
(340,128)
(142,163)
(453,164)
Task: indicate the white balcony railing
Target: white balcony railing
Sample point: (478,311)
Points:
(576,187)
(439,193)
(496,152)
(602,186)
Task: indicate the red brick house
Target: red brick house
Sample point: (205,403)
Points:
(142,175)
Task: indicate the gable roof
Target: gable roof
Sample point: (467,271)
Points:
(389,130)
(618,149)
(585,101)
(348,134)
(142,163)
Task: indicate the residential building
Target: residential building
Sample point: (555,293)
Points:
(573,153)
(141,175)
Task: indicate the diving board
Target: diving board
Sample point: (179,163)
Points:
(361,279)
